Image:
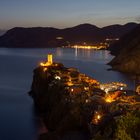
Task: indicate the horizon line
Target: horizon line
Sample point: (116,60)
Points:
(61,28)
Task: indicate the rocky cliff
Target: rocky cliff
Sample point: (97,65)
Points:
(73,106)
(62,109)
(127,53)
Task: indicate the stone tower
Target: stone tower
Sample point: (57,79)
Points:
(50,59)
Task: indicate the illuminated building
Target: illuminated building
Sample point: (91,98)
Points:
(112,97)
(109,99)
(107,87)
(50,59)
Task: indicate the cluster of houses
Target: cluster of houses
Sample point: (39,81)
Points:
(80,84)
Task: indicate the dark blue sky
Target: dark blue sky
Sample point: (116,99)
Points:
(66,13)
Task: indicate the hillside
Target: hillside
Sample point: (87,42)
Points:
(127,52)
(52,37)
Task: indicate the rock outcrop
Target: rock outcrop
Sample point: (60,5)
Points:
(127,53)
(72,105)
(61,112)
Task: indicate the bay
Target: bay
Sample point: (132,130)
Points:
(17,118)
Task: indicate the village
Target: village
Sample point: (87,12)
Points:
(72,101)
(78,84)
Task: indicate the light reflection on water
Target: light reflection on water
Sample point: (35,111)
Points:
(17,120)
(87,54)
(93,63)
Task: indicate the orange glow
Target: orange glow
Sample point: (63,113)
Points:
(109,100)
(69,83)
(44,64)
(96,118)
(45,69)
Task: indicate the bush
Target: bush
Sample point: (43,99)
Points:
(127,126)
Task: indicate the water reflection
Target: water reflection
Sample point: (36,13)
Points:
(76,54)
(93,63)
(88,53)
(59,52)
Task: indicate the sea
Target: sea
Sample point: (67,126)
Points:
(18,120)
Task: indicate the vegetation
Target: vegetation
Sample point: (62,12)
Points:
(127,127)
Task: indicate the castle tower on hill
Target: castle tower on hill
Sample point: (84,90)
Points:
(50,59)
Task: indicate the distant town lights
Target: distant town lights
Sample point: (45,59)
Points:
(59,38)
(97,47)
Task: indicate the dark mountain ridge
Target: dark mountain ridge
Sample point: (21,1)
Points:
(118,30)
(52,37)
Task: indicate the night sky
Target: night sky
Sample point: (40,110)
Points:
(67,13)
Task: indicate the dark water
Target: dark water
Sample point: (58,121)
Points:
(17,118)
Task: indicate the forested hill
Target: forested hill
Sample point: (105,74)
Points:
(38,37)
